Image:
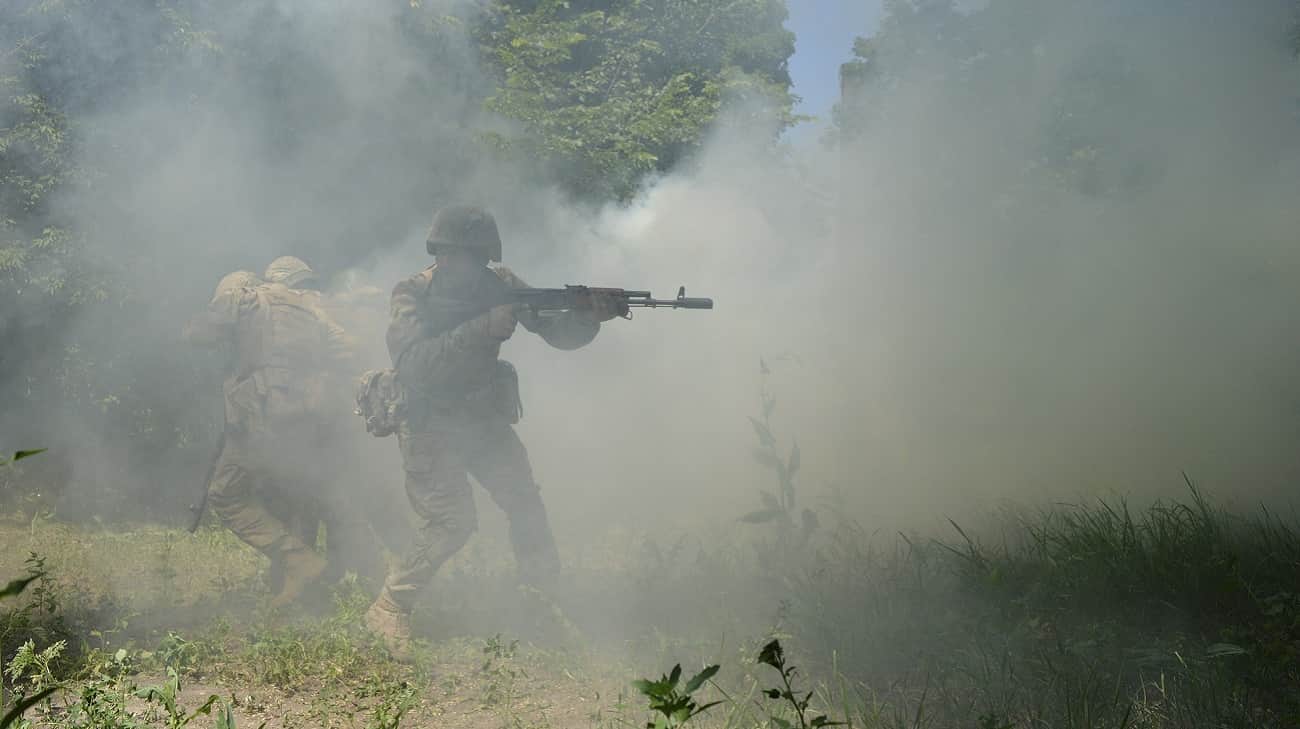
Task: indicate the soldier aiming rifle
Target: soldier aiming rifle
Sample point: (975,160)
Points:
(452,401)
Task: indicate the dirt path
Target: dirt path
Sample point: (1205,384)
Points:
(136,590)
(526,691)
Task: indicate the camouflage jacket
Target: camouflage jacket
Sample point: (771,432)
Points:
(291,352)
(442,356)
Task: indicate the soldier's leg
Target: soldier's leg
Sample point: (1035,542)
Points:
(384,507)
(243,510)
(350,544)
(237,501)
(500,463)
(283,498)
(305,516)
(352,536)
(278,505)
(438,488)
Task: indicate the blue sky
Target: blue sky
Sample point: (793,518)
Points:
(824,31)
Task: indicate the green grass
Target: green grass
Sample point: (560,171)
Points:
(1173,615)
(1089,615)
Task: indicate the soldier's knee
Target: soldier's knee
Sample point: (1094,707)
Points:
(229,489)
(418,481)
(235,512)
(460,524)
(441,538)
(522,498)
(450,524)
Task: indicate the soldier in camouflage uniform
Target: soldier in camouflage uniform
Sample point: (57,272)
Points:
(194,332)
(461,402)
(334,500)
(291,359)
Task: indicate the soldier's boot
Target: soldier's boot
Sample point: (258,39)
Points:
(302,567)
(388,620)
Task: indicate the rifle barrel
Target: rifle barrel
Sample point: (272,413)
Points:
(564,298)
(678,303)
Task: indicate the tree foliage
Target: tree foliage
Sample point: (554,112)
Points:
(36,162)
(1081,81)
(92,333)
(606,91)
(354,119)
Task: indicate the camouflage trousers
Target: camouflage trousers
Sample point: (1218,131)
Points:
(277,505)
(439,455)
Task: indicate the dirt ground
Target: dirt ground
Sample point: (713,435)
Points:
(461,696)
(136,589)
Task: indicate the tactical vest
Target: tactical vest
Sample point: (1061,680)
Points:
(498,397)
(285,354)
(442,313)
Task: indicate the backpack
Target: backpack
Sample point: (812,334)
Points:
(286,346)
(380,402)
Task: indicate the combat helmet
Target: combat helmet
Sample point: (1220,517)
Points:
(465,226)
(289,271)
(235,280)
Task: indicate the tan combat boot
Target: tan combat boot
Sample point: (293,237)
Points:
(386,619)
(302,567)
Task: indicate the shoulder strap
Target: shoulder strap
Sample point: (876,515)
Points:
(258,342)
(279,295)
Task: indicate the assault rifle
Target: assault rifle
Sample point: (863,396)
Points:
(579,297)
(199,508)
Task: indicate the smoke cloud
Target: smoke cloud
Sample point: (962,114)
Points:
(1045,270)
(1040,268)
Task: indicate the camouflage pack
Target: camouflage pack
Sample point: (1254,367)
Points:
(380,402)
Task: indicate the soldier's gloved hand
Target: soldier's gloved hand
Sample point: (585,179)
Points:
(501,321)
(602,307)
